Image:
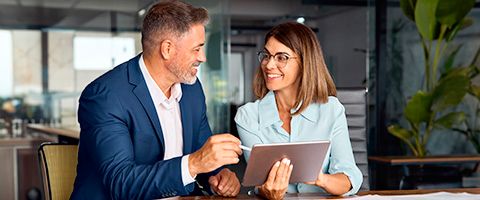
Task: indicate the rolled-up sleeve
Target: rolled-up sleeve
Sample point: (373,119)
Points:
(341,158)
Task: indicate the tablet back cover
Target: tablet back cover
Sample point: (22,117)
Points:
(307,159)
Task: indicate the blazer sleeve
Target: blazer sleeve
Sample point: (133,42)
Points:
(204,133)
(105,132)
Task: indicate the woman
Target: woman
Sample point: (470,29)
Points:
(297,103)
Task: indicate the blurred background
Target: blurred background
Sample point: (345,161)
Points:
(51,49)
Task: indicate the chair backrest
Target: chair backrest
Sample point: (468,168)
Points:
(58,163)
(355,103)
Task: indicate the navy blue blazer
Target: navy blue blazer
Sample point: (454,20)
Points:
(121,145)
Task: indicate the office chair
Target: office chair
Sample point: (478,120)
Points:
(58,164)
(354,101)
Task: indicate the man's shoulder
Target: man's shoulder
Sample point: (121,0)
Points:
(116,76)
(192,91)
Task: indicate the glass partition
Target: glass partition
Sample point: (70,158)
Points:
(46,65)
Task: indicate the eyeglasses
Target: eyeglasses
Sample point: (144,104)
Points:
(280,58)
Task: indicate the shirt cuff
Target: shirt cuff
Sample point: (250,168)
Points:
(354,182)
(186,177)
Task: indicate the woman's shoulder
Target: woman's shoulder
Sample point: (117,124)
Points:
(333,103)
(332,107)
(247,113)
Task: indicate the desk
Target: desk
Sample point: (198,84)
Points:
(412,160)
(405,192)
(323,196)
(408,162)
(68,135)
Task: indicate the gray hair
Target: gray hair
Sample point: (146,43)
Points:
(169,19)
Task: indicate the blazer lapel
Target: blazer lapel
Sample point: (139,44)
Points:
(186,123)
(135,77)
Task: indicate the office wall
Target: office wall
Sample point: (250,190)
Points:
(343,37)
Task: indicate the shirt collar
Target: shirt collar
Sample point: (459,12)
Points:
(312,112)
(157,94)
(267,109)
(268,112)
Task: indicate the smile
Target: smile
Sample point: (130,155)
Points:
(274,75)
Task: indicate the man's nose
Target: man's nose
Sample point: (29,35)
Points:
(201,56)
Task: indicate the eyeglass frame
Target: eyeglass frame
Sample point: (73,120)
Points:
(274,58)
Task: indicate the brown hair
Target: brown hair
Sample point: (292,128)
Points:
(316,84)
(169,18)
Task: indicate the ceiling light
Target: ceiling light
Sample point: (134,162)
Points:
(141,12)
(301,20)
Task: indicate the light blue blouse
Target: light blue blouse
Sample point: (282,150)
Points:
(259,122)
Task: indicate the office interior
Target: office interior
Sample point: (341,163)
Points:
(50,50)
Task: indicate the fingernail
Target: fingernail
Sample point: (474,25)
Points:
(277,163)
(288,162)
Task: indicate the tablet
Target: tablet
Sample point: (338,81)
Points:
(307,159)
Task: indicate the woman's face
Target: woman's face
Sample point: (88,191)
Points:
(280,66)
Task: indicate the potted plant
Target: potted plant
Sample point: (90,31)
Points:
(438,22)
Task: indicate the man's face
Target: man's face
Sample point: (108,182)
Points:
(190,55)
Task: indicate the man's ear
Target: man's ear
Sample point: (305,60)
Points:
(167,49)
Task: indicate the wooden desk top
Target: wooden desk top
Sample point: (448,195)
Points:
(426,191)
(412,160)
(22,141)
(64,131)
(323,196)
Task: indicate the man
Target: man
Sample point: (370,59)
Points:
(144,129)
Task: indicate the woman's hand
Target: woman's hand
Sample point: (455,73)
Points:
(277,181)
(336,184)
(321,181)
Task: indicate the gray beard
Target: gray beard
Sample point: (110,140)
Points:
(185,76)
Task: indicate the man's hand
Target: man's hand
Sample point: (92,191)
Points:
(219,150)
(225,183)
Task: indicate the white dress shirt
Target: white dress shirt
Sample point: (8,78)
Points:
(168,111)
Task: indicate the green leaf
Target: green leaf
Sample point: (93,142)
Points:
(450,91)
(418,108)
(475,91)
(450,12)
(451,58)
(450,119)
(470,72)
(459,71)
(474,71)
(408,8)
(400,132)
(453,30)
(475,59)
(425,19)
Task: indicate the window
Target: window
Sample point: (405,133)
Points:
(6,63)
(101,53)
